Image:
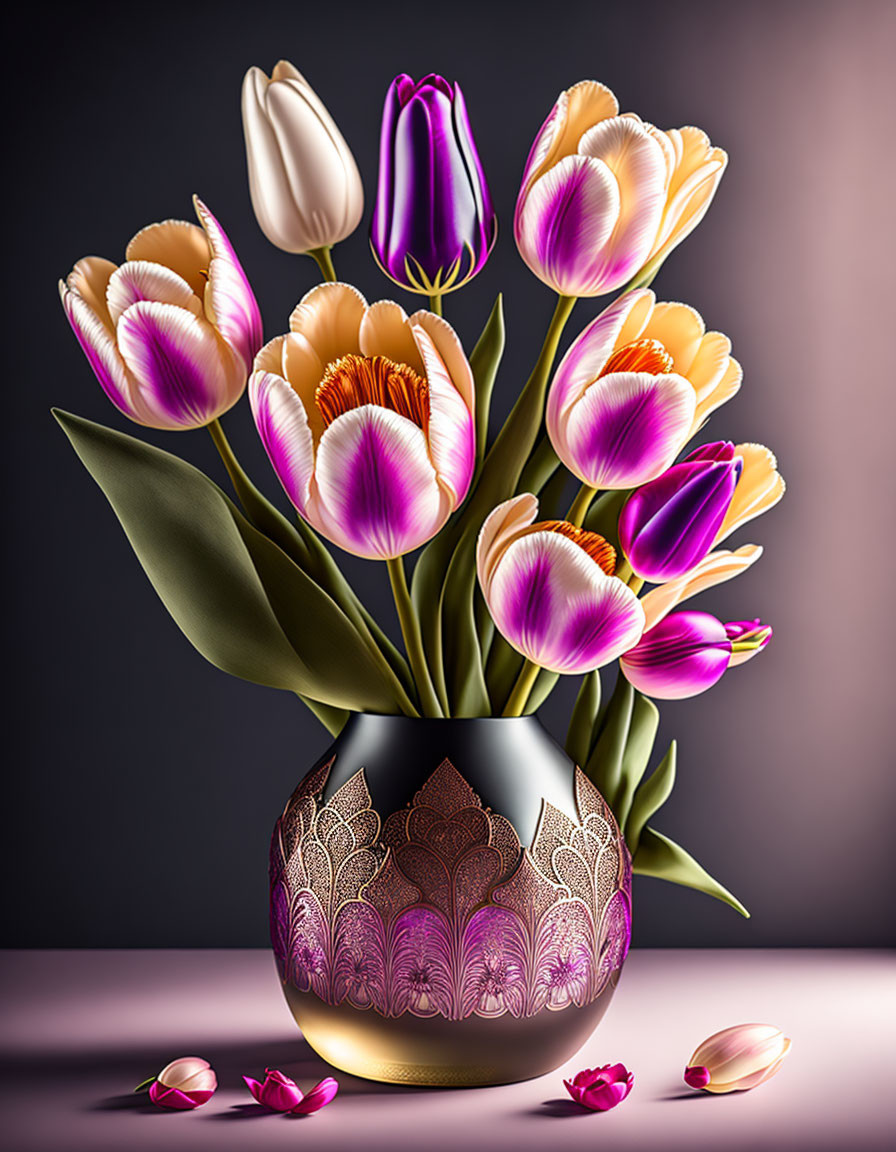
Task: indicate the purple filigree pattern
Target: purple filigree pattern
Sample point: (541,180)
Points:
(438,910)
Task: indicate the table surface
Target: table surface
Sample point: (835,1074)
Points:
(80,1028)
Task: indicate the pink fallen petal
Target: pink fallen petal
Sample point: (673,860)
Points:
(697,1076)
(174,1098)
(601,1089)
(316,1097)
(278,1092)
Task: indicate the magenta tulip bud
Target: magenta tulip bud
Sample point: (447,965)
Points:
(737,1058)
(185,1083)
(601,1089)
(667,526)
(281,1094)
(433,222)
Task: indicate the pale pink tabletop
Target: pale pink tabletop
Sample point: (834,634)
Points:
(81,1028)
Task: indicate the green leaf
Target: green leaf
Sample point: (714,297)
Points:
(604,765)
(485,359)
(650,796)
(603,516)
(235,595)
(541,689)
(333,719)
(583,719)
(662,858)
(642,731)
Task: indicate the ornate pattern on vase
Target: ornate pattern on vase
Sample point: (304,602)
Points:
(438,910)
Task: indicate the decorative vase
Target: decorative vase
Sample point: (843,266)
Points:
(450,901)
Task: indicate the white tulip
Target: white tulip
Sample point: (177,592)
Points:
(305,186)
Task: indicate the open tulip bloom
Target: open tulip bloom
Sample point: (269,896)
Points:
(376,424)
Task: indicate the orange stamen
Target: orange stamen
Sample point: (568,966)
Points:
(602,553)
(352,381)
(640,356)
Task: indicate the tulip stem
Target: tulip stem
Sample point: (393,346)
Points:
(525,682)
(323,257)
(624,570)
(413,639)
(635,583)
(435,304)
(579,507)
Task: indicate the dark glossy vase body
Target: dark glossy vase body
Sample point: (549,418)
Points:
(450,901)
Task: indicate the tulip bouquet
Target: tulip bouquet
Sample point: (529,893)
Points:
(377,425)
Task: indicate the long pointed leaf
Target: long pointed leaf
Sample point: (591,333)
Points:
(604,765)
(485,359)
(662,858)
(584,715)
(650,796)
(235,595)
(642,732)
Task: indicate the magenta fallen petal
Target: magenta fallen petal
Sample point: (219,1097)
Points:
(278,1092)
(174,1098)
(601,1089)
(697,1076)
(316,1097)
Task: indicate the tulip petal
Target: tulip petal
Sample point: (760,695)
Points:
(554,604)
(184,373)
(181,1071)
(300,366)
(502,525)
(639,167)
(102,354)
(283,426)
(377,495)
(627,428)
(451,433)
(385,332)
(680,330)
(89,279)
(254,1087)
(318,1096)
(174,1098)
(175,244)
(142,280)
(329,317)
(681,657)
(567,217)
(229,300)
(699,168)
(720,393)
(574,111)
(713,569)
(589,352)
(759,488)
(450,351)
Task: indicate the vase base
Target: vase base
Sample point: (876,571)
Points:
(433,1052)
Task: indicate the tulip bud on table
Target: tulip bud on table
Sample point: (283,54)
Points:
(737,1058)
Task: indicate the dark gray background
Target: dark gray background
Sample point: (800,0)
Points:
(141,783)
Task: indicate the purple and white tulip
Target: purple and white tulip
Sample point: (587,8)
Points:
(172,332)
(633,388)
(688,652)
(605,195)
(551,590)
(669,525)
(433,222)
(367,417)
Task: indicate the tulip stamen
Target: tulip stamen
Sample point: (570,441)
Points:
(600,551)
(640,356)
(353,381)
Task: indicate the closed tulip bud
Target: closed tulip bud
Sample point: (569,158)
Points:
(305,186)
(737,1058)
(185,1083)
(688,652)
(172,332)
(669,525)
(433,223)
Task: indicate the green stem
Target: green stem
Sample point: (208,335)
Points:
(635,583)
(323,257)
(435,304)
(624,570)
(581,504)
(413,641)
(525,682)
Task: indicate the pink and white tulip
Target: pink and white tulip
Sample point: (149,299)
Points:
(688,652)
(604,195)
(367,416)
(281,1094)
(601,1089)
(185,1083)
(737,1058)
(172,332)
(634,387)
(551,591)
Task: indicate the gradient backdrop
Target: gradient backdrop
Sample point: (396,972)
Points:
(142,783)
